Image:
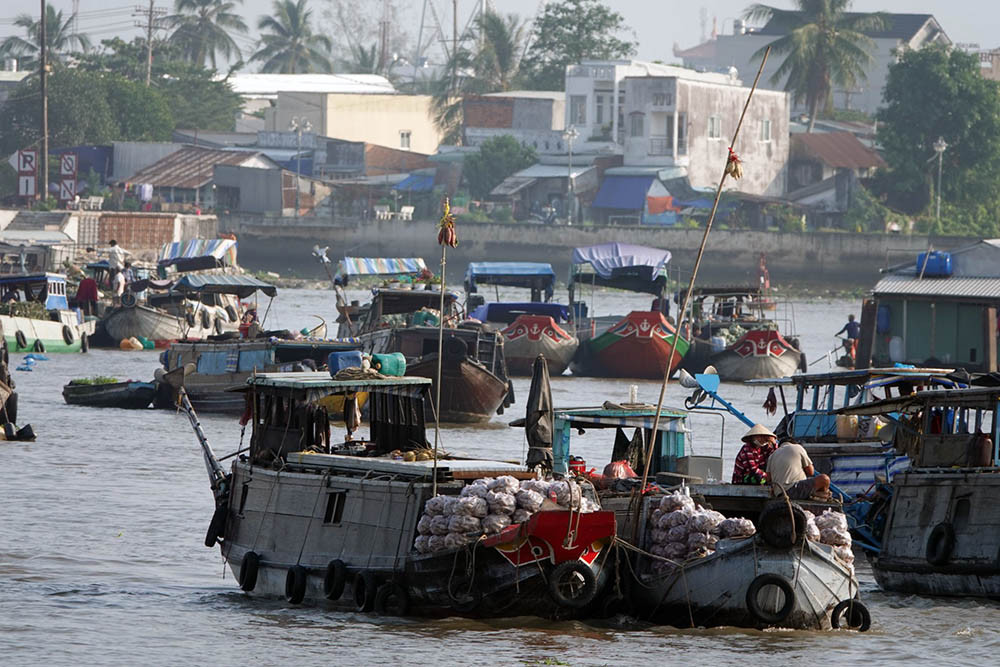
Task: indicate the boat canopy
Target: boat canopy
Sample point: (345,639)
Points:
(508,312)
(973,399)
(380,266)
(871,377)
(400,301)
(223,283)
(534,275)
(670,419)
(312,386)
(46,288)
(197,254)
(621,265)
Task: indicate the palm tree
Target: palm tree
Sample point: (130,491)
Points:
(291,46)
(363,61)
(201,29)
(59,37)
(825,45)
(491,66)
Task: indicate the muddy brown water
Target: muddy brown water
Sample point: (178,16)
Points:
(102,561)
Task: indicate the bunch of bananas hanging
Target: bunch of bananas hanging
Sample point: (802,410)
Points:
(734,166)
(446,227)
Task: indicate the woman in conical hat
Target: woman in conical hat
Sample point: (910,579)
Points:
(751,462)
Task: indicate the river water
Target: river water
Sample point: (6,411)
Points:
(102,561)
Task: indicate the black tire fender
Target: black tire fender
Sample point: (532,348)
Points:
(803,364)
(248,571)
(39,346)
(206,319)
(572,584)
(364,586)
(20,339)
(391,599)
(775,525)
(219,327)
(295,584)
(84,343)
(232,314)
(217,527)
(334,580)
(189,318)
(940,544)
(753,604)
(857,617)
(68,336)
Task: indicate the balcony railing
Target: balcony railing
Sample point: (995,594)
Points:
(660,146)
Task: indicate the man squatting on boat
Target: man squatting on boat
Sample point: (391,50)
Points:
(787,468)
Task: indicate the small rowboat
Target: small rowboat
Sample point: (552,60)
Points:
(127,395)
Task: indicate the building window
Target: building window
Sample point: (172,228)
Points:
(662,99)
(714,127)
(682,140)
(404,139)
(765,130)
(637,128)
(599,109)
(578,109)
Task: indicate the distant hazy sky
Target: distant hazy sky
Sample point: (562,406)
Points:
(658,24)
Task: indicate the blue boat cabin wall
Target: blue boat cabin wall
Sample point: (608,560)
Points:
(671,446)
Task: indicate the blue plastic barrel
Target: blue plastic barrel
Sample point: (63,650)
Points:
(882,319)
(338,361)
(934,264)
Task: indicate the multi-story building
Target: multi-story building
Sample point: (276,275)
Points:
(535,118)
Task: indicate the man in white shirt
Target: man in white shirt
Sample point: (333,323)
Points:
(791,470)
(118,286)
(116,257)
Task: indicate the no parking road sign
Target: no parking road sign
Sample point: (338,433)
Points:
(67,165)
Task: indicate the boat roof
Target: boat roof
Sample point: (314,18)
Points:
(857,377)
(977,398)
(198,254)
(622,265)
(380,266)
(312,386)
(509,311)
(224,283)
(509,274)
(671,419)
(409,300)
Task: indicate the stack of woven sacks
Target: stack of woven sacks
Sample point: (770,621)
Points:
(682,530)
(830,528)
(489,505)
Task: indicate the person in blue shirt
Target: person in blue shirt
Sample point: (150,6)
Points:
(852,328)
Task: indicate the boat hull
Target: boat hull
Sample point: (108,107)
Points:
(469,392)
(141,321)
(639,346)
(531,335)
(46,332)
(757,354)
(126,395)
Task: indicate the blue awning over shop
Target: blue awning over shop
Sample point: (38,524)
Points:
(416,183)
(623,192)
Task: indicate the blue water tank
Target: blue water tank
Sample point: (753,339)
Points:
(934,263)
(882,320)
(338,361)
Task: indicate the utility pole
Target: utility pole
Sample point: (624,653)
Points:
(43,76)
(454,45)
(150,16)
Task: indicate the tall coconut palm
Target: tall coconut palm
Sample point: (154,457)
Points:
(201,29)
(363,60)
(59,37)
(289,44)
(491,65)
(824,45)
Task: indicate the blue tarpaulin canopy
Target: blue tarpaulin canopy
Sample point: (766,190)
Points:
(416,183)
(510,274)
(623,192)
(508,312)
(223,283)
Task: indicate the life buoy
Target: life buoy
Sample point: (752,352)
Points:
(365,587)
(857,618)
(780,528)
(206,319)
(68,336)
(753,603)
(333,582)
(295,584)
(572,584)
(39,346)
(391,599)
(217,526)
(84,343)
(189,318)
(233,315)
(940,544)
(248,571)
(20,339)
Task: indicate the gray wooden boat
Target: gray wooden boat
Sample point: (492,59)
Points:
(128,395)
(306,516)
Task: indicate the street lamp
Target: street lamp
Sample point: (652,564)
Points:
(570,135)
(940,146)
(298,125)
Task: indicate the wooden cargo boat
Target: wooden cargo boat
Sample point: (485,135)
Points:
(35,315)
(127,395)
(529,328)
(638,345)
(308,516)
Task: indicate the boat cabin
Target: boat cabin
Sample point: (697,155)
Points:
(47,289)
(406,307)
(535,276)
(621,266)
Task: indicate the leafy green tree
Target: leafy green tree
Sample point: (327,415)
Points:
(59,36)
(824,45)
(362,61)
(497,159)
(567,32)
(491,66)
(938,92)
(289,44)
(202,29)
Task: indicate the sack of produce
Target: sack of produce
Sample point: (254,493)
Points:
(678,517)
(471,506)
(520,516)
(424,525)
(478,489)
(701,541)
(434,506)
(832,520)
(845,554)
(450,502)
(677,534)
(702,521)
(619,470)
(436,543)
(676,501)
(439,525)
(565,494)
(504,484)
(675,550)
(529,500)
(658,536)
(456,540)
(538,485)
(737,528)
(463,523)
(834,537)
(587,505)
(812,530)
(421,544)
(654,517)
(501,503)
(494,523)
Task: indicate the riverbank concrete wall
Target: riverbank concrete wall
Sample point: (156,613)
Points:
(815,260)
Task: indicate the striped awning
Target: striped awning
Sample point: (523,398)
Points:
(380,266)
(223,250)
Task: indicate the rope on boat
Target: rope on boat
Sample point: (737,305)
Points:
(687,296)
(312,515)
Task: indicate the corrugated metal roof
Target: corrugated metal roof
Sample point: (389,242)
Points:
(898,26)
(269,85)
(987,288)
(838,150)
(190,167)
